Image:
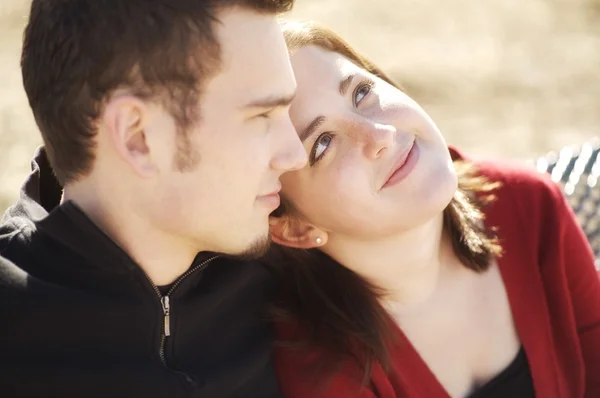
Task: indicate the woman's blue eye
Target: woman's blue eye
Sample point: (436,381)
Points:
(361,92)
(320,147)
(324,140)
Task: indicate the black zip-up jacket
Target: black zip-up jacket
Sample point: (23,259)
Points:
(78,318)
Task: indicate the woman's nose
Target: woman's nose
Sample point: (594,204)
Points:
(377,138)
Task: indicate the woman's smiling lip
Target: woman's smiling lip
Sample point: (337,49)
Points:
(403,165)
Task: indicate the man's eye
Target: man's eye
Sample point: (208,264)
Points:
(264,115)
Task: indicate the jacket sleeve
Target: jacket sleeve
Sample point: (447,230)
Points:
(584,286)
(296,367)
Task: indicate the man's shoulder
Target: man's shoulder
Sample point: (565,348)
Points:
(16,252)
(13,230)
(25,248)
(12,277)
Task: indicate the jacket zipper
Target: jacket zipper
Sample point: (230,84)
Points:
(166,305)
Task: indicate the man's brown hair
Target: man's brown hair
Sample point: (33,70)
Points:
(77,52)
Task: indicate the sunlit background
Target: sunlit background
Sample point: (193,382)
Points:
(502,78)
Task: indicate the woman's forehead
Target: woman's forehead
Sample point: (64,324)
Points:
(312,63)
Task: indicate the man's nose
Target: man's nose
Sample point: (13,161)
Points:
(291,154)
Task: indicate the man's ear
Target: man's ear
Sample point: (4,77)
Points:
(125,118)
(292,232)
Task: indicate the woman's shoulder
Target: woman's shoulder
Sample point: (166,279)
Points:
(528,207)
(305,371)
(517,181)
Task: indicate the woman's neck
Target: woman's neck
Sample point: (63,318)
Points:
(408,266)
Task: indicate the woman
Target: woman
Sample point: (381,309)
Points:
(408,270)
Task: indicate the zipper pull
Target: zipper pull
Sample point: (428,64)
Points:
(166,310)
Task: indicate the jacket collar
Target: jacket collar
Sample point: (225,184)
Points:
(40,193)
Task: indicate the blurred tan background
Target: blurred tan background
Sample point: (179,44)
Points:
(507,78)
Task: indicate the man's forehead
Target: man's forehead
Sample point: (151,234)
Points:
(253,54)
(249,38)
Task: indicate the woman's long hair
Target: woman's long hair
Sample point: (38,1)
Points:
(338,312)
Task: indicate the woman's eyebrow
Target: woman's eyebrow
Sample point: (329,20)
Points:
(319,120)
(345,83)
(312,127)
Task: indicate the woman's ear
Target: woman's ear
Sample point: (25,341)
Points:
(292,232)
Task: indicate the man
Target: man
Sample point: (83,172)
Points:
(165,123)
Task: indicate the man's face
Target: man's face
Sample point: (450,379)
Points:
(242,143)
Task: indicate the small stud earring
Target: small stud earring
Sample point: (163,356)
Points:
(318,240)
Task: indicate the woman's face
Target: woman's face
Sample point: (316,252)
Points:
(378,164)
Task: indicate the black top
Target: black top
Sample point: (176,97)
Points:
(79,318)
(515,381)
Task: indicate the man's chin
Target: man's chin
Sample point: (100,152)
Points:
(256,249)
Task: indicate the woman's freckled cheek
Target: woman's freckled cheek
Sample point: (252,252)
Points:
(345,184)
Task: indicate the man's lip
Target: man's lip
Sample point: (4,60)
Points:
(272,193)
(399,162)
(271,200)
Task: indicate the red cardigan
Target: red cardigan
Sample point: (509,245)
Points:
(553,290)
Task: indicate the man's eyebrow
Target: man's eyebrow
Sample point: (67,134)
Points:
(312,127)
(271,102)
(345,83)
